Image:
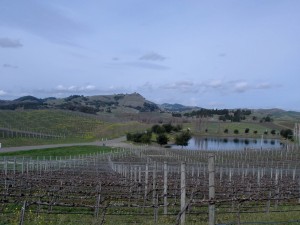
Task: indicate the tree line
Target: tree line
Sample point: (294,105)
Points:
(162,134)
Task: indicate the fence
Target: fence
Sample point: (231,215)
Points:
(150,186)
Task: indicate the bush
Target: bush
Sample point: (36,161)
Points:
(236,131)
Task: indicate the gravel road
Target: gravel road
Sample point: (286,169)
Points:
(118,142)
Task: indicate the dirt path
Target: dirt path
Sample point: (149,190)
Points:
(118,142)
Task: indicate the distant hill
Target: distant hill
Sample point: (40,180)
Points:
(88,104)
(123,104)
(279,113)
(178,107)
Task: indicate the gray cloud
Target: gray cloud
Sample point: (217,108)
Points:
(223,54)
(5,65)
(147,65)
(152,56)
(10,43)
(42,19)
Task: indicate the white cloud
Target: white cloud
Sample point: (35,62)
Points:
(183,86)
(264,86)
(2,93)
(73,88)
(241,86)
(215,83)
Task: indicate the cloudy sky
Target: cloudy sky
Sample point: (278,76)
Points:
(209,53)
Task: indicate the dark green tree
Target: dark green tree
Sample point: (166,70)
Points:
(158,129)
(183,138)
(168,127)
(287,133)
(162,139)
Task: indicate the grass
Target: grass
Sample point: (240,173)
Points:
(33,215)
(61,151)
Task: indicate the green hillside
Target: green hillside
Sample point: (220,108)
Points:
(44,126)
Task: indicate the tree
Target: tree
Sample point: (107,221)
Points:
(162,139)
(183,138)
(273,132)
(255,132)
(226,131)
(236,131)
(287,133)
(177,128)
(247,130)
(144,137)
(168,127)
(158,129)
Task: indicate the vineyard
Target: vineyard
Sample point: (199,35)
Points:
(35,127)
(149,185)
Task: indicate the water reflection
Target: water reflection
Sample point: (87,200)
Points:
(213,143)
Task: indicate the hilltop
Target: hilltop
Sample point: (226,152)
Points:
(133,103)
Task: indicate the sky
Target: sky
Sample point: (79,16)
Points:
(206,53)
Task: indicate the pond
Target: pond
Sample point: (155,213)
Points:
(229,143)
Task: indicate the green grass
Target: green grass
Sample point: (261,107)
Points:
(61,151)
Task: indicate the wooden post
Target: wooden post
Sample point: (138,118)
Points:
(97,206)
(146,185)
(165,188)
(183,194)
(211,184)
(22,214)
(277,189)
(154,184)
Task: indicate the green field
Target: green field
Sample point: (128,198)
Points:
(60,151)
